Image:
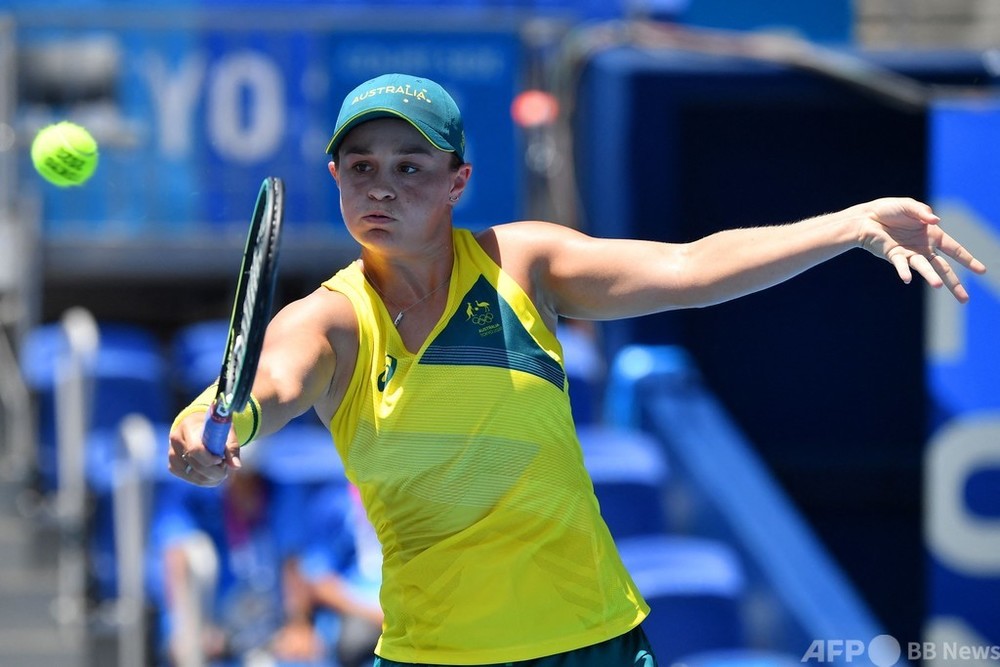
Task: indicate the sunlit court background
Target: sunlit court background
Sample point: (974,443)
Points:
(790,476)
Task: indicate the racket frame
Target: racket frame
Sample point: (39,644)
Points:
(250,315)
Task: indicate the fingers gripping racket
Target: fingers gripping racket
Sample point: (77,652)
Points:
(251,312)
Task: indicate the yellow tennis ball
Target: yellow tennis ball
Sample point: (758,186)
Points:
(64,154)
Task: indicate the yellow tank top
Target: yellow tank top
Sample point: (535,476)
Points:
(470,470)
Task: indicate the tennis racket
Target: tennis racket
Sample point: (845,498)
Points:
(251,312)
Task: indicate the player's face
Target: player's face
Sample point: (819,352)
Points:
(395,187)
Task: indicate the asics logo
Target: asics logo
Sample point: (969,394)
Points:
(644,659)
(390,370)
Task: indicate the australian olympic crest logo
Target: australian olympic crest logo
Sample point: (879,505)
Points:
(480,313)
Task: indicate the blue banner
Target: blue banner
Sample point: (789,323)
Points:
(195,111)
(962,466)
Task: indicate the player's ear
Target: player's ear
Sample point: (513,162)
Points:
(461,180)
(333,171)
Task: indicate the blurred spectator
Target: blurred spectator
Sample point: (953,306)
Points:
(335,583)
(279,565)
(214,568)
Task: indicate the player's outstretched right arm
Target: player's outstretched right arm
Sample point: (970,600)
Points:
(309,352)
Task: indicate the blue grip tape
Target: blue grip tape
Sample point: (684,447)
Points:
(216,433)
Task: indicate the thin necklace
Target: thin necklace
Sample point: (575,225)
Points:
(399,316)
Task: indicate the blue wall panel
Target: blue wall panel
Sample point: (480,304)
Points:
(963,455)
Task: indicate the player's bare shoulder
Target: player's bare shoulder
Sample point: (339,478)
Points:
(526,251)
(321,315)
(529,241)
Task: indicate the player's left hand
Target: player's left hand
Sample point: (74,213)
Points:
(906,233)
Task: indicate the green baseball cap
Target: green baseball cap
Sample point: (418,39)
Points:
(421,102)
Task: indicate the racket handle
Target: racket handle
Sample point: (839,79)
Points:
(216,433)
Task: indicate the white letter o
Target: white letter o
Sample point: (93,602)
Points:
(246,80)
(963,541)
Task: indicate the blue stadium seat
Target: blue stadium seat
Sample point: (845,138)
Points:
(630,473)
(585,370)
(307,478)
(129,376)
(301,452)
(196,354)
(694,588)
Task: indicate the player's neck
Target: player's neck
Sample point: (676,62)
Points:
(408,297)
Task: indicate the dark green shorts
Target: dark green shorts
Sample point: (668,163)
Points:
(630,650)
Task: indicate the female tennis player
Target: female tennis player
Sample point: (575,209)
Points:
(434,361)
